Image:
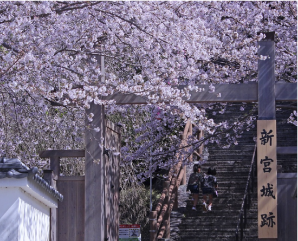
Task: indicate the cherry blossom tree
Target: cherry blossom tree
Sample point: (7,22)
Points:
(50,73)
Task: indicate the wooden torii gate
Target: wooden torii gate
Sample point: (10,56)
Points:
(266,92)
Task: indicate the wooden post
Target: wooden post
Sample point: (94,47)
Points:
(266,79)
(266,143)
(95,217)
(200,135)
(55,167)
(95,175)
(48,176)
(112,180)
(153,222)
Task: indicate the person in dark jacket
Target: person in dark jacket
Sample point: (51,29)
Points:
(209,185)
(193,184)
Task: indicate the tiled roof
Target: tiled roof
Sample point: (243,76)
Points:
(14,168)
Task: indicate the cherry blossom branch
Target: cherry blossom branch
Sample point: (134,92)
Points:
(6,71)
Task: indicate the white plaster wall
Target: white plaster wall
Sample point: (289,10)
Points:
(9,216)
(34,224)
(7,197)
(22,217)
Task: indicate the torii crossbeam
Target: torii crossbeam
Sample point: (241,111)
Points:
(223,93)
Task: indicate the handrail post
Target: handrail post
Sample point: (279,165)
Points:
(187,132)
(167,225)
(249,200)
(245,209)
(241,227)
(166,185)
(183,182)
(253,173)
(153,222)
(175,190)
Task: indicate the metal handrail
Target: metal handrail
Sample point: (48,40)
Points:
(246,199)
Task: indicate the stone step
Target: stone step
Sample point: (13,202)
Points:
(233,164)
(205,229)
(229,237)
(225,201)
(210,232)
(229,155)
(225,189)
(217,207)
(195,222)
(222,175)
(231,174)
(231,171)
(224,196)
(231,185)
(234,196)
(248,151)
(217,213)
(228,181)
(239,151)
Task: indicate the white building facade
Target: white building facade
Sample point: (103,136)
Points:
(25,203)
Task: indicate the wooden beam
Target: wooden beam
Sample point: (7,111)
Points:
(124,99)
(223,93)
(62,153)
(226,93)
(285,91)
(287,150)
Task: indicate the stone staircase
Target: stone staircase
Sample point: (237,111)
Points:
(232,167)
(219,224)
